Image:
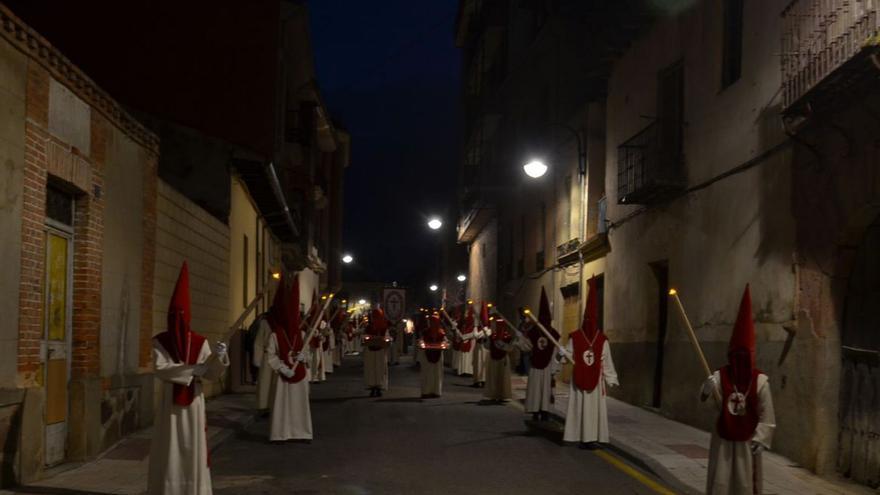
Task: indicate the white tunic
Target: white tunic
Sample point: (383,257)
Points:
(587,417)
(431,375)
(375,368)
(291,415)
(498,374)
(316,363)
(266,378)
(539,390)
(731,464)
(466,361)
(179,451)
(480,356)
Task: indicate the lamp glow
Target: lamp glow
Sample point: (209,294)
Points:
(435,223)
(461,278)
(362,301)
(535,168)
(433,287)
(347,259)
(276,275)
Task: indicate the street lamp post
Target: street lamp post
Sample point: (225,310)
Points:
(537,168)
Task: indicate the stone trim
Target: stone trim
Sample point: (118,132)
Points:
(37,48)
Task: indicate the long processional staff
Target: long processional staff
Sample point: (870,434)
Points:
(539,390)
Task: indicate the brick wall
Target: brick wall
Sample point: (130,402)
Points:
(150,185)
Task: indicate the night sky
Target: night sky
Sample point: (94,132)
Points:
(389,71)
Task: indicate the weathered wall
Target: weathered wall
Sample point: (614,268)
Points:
(716,240)
(184,231)
(482,265)
(13,71)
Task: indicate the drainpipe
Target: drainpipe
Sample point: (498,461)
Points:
(279,196)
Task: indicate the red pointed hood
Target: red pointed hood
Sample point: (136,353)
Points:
(544,315)
(378,322)
(590,325)
(278,312)
(741,350)
(294,316)
(180,313)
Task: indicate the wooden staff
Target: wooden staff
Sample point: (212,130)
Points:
(693,336)
(546,332)
(451,322)
(314,327)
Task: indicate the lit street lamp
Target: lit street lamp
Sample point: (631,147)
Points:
(347,259)
(461,277)
(535,169)
(435,223)
(433,287)
(362,302)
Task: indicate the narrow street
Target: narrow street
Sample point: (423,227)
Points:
(400,443)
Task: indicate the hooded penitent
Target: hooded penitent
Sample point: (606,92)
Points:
(179,340)
(484,316)
(284,318)
(501,336)
(542,347)
(739,379)
(311,316)
(456,340)
(467,328)
(375,333)
(434,334)
(587,344)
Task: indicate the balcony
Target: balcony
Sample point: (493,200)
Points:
(649,170)
(828,48)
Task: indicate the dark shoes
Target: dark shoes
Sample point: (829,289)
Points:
(590,445)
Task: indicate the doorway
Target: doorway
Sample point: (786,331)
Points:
(57,322)
(661,274)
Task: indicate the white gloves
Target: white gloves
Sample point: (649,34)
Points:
(221,349)
(757,448)
(284,370)
(200,369)
(322,325)
(565,353)
(301,357)
(708,387)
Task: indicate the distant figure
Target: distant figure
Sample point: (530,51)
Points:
(291,416)
(375,363)
(466,362)
(746,421)
(481,352)
(316,351)
(431,366)
(265,376)
(539,390)
(587,418)
(499,345)
(182,359)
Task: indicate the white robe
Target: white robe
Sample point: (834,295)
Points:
(731,463)
(431,375)
(466,359)
(375,368)
(480,356)
(498,374)
(179,451)
(587,417)
(539,390)
(266,378)
(291,415)
(327,359)
(316,363)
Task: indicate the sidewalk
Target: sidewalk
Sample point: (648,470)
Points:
(679,453)
(122,469)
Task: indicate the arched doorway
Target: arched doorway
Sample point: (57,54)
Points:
(859,438)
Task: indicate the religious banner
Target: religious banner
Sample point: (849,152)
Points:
(394,303)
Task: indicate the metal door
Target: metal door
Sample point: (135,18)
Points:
(56,341)
(859,438)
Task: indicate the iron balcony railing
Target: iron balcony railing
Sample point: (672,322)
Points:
(818,36)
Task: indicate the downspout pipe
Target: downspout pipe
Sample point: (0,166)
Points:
(279,196)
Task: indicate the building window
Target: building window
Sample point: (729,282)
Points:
(59,205)
(731,57)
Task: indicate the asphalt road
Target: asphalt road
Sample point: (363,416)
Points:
(400,443)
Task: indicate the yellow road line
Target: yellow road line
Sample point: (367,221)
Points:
(633,473)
